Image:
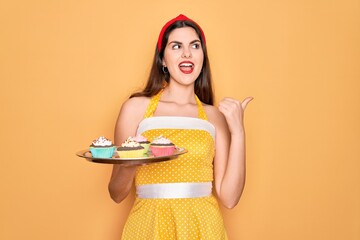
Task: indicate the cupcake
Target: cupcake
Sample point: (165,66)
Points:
(130,149)
(102,148)
(143,142)
(162,146)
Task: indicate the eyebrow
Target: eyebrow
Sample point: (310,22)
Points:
(177,42)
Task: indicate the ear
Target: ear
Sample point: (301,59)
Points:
(163,62)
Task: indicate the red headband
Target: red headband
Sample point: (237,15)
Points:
(172,21)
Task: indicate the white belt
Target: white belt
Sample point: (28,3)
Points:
(174,190)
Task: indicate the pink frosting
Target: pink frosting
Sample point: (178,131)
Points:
(140,138)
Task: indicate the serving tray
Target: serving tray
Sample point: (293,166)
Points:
(145,159)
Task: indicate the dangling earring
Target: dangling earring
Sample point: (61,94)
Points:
(165,70)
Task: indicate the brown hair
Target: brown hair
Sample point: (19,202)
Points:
(202,87)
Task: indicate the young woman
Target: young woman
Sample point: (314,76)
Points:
(178,199)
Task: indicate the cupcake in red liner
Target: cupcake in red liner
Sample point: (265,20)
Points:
(130,149)
(162,146)
(143,142)
(102,148)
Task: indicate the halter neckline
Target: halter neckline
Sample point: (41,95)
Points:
(154,101)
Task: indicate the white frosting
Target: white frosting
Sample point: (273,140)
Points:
(161,140)
(130,142)
(102,142)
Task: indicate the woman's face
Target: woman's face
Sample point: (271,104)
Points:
(183,55)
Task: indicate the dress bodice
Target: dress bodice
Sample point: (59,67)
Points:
(197,135)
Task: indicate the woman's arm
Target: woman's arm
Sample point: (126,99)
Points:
(229,162)
(131,113)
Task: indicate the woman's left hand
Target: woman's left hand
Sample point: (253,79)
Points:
(233,110)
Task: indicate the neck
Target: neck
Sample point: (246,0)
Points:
(179,94)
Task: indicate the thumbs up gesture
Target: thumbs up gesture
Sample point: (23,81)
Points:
(233,111)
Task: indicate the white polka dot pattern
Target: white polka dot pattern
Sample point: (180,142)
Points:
(181,219)
(194,166)
(186,218)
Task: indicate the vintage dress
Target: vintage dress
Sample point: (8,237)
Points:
(179,218)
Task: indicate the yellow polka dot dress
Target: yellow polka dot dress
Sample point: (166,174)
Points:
(177,218)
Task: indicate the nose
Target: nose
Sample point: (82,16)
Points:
(186,52)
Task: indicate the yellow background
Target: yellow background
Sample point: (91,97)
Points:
(67,66)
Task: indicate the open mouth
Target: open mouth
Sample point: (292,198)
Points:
(186,67)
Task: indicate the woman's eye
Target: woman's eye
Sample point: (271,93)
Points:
(196,46)
(176,46)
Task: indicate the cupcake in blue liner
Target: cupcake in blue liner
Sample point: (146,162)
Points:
(102,148)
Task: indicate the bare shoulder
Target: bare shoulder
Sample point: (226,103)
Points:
(131,114)
(135,105)
(133,109)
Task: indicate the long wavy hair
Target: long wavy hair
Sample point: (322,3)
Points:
(158,78)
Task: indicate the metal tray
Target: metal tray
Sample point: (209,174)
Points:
(146,159)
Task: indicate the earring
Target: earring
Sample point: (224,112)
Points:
(165,70)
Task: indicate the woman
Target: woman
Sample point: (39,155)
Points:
(177,102)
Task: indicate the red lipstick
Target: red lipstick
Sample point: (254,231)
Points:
(186,67)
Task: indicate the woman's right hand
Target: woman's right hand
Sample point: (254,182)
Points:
(121,181)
